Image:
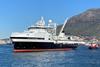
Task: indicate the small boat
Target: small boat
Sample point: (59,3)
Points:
(93,46)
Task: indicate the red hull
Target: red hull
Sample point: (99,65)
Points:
(41,50)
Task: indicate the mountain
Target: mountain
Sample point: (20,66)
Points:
(84,24)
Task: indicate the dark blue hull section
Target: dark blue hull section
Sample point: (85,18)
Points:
(42,45)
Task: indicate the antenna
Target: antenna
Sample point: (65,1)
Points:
(41,22)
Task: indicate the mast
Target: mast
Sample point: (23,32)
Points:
(53,25)
(63,26)
(41,22)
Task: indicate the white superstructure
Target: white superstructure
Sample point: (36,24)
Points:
(42,33)
(37,33)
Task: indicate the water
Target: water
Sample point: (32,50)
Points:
(81,57)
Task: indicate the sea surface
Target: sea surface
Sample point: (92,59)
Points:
(80,57)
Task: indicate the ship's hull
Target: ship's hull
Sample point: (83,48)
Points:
(41,46)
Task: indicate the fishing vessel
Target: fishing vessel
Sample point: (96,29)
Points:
(42,37)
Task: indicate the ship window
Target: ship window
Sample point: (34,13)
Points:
(37,28)
(49,39)
(27,38)
(69,38)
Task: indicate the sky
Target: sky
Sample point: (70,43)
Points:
(17,15)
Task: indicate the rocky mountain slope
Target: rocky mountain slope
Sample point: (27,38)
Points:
(85,24)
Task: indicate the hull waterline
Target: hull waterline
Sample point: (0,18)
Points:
(41,50)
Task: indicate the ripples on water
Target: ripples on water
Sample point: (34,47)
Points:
(81,57)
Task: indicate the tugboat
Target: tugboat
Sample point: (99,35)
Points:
(42,38)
